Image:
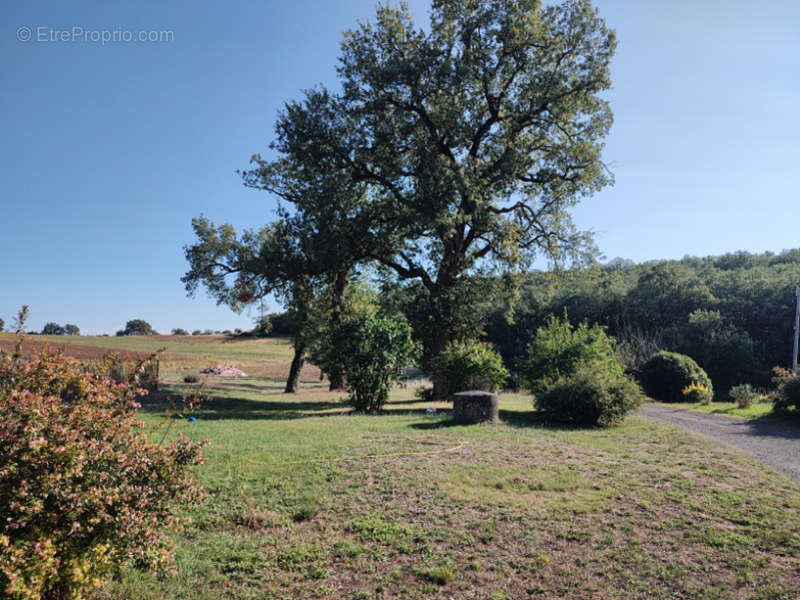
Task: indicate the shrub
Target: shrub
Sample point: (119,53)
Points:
(374,351)
(724,352)
(179,331)
(471,366)
(744,395)
(666,374)
(558,350)
(589,397)
(83,487)
(787,395)
(697,392)
(191,379)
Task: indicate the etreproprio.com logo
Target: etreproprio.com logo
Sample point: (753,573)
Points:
(44,34)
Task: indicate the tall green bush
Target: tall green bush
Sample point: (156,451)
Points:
(471,366)
(374,350)
(577,376)
(559,349)
(666,374)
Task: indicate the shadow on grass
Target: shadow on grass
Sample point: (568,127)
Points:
(512,418)
(266,384)
(222,408)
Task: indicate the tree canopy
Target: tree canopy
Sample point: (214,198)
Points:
(53,329)
(449,152)
(137,327)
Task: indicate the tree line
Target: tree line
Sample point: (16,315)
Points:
(732,313)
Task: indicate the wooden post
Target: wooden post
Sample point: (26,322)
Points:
(796,326)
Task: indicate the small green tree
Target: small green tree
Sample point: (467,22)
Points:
(2,325)
(71,329)
(52,329)
(374,351)
(179,331)
(327,313)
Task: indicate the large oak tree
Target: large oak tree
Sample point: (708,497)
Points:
(466,142)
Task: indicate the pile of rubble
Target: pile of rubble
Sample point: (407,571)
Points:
(224,371)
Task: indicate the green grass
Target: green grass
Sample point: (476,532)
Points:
(754,411)
(308,501)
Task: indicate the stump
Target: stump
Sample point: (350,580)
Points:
(475,407)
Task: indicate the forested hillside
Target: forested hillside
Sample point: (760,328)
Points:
(732,313)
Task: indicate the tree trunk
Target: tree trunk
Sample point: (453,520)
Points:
(442,307)
(439,343)
(293,381)
(335,376)
(441,335)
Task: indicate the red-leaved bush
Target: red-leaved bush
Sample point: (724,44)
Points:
(84,486)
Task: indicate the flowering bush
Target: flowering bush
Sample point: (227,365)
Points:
(697,392)
(83,488)
(666,374)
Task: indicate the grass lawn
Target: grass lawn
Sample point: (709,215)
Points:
(754,411)
(308,501)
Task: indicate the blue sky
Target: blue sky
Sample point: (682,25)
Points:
(108,150)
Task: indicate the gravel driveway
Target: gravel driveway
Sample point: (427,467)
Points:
(774,444)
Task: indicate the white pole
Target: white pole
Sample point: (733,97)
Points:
(796,325)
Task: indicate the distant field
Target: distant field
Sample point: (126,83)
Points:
(265,357)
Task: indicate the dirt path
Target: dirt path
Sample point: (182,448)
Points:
(774,444)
